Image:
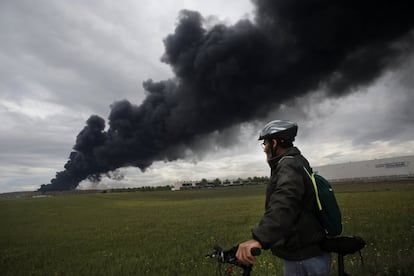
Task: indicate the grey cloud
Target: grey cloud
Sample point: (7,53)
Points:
(77,52)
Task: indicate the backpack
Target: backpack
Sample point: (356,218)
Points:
(329,214)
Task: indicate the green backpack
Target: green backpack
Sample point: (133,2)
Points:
(329,214)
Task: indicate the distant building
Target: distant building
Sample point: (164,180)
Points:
(184,185)
(377,169)
(189,185)
(370,170)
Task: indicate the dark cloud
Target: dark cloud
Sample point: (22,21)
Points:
(61,62)
(77,54)
(227,75)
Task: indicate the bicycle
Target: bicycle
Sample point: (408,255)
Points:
(229,257)
(344,245)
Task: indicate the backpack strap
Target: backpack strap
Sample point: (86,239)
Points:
(315,187)
(312,177)
(285,157)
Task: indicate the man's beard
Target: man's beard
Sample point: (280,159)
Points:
(270,154)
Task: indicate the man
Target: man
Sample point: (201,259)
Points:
(289,226)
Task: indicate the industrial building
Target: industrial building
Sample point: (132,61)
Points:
(377,169)
(395,168)
(188,185)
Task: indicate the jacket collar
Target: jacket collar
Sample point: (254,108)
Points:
(290,152)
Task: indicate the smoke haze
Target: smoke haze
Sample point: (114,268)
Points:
(228,75)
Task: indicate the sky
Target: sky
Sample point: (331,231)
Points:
(63,61)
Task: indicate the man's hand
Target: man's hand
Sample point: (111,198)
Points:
(244,254)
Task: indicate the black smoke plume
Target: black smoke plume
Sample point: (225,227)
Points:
(226,75)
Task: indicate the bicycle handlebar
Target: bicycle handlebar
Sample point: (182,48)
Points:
(229,256)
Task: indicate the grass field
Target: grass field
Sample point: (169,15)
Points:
(168,233)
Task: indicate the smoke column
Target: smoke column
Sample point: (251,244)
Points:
(227,75)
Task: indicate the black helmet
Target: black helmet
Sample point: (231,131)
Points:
(284,130)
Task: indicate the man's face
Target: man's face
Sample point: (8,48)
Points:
(267,147)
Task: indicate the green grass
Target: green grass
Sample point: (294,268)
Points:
(168,233)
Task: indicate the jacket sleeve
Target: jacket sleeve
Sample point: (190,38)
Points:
(283,205)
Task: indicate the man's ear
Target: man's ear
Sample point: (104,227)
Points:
(274,143)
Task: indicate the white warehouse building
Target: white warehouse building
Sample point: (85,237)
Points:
(386,168)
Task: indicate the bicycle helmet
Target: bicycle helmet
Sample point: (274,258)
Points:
(284,130)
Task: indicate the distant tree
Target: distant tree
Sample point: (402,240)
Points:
(217,182)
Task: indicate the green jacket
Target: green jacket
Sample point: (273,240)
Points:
(289,226)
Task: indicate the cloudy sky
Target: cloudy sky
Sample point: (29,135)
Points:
(63,61)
